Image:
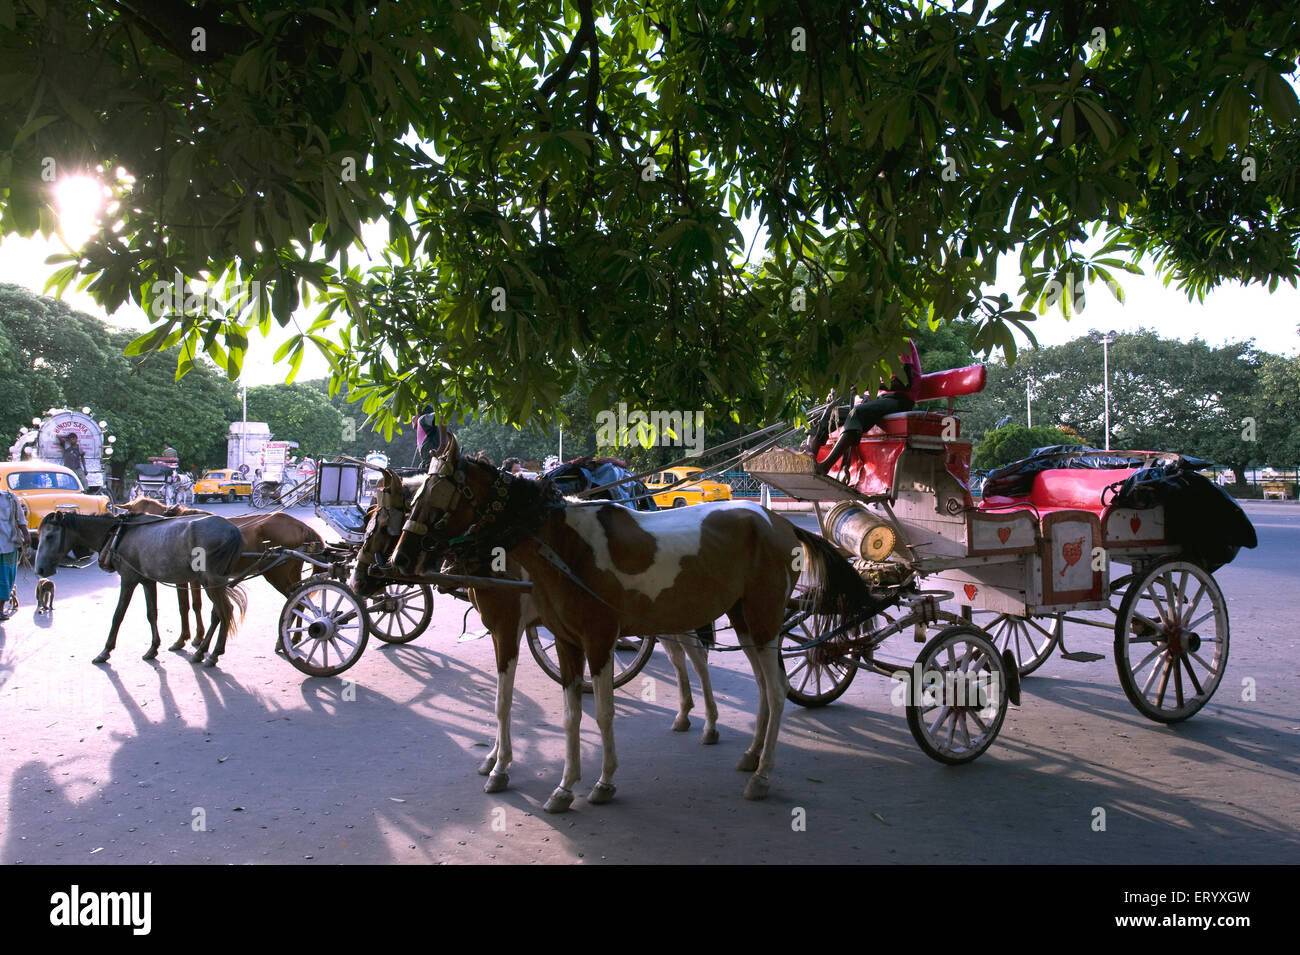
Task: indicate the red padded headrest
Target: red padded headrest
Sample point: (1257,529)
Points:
(953,383)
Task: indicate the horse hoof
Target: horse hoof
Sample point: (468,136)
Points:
(757,787)
(150,655)
(102,658)
(681,724)
(487,765)
(211,662)
(602,793)
(178,645)
(560,801)
(748,763)
(197,658)
(497,783)
(709,738)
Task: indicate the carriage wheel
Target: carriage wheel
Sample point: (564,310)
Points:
(259,498)
(630,656)
(1171,640)
(820,674)
(401,612)
(323,627)
(1029,641)
(958,709)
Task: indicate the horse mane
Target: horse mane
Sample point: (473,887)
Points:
(528,505)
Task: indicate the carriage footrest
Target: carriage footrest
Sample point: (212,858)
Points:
(1083,656)
(792,473)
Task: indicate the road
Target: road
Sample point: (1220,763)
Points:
(165,762)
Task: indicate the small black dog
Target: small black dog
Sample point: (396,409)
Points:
(44,595)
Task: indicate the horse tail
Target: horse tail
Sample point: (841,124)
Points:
(834,588)
(225,602)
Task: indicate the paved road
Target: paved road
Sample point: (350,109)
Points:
(165,762)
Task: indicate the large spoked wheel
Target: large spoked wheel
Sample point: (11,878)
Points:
(958,708)
(401,612)
(1171,640)
(820,673)
(1028,639)
(323,627)
(630,656)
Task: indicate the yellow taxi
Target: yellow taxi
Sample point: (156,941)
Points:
(697,490)
(223,484)
(44,488)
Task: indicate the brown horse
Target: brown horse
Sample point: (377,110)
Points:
(506,613)
(599,571)
(260,532)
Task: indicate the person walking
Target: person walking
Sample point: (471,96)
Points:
(14,539)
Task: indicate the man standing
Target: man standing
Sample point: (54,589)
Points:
(14,539)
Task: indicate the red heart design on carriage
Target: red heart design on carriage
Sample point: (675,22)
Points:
(1071,551)
(971,591)
(1004,534)
(1135,522)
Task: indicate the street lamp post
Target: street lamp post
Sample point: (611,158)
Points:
(1106,341)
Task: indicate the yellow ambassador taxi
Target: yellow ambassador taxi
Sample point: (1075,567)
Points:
(44,488)
(223,484)
(697,490)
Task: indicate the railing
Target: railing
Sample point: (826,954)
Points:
(746,485)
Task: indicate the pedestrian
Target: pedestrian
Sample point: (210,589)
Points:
(14,540)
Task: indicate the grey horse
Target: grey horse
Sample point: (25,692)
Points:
(148,550)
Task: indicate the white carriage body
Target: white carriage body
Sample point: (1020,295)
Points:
(44,444)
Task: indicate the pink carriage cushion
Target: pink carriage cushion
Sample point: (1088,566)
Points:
(953,383)
(929,423)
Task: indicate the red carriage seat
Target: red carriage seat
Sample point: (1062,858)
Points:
(1062,489)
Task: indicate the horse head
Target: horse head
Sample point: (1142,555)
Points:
(382,531)
(470,510)
(61,532)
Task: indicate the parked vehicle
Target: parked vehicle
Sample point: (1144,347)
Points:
(697,489)
(225,484)
(45,488)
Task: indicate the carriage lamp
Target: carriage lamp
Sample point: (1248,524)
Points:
(103,425)
(108,451)
(37,422)
(112,438)
(85,411)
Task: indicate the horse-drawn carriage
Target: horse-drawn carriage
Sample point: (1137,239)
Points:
(1026,561)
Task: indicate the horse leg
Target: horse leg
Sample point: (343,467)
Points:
(151,612)
(123,601)
(214,620)
(699,655)
(570,658)
(766,661)
(672,644)
(196,598)
(183,604)
(602,684)
(498,761)
(748,761)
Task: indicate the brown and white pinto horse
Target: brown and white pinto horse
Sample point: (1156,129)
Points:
(506,613)
(600,571)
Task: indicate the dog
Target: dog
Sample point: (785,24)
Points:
(44,595)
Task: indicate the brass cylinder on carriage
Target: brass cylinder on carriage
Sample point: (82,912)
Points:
(861,533)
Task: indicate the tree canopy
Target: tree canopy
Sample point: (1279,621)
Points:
(561,184)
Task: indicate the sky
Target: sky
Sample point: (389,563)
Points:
(1230,313)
